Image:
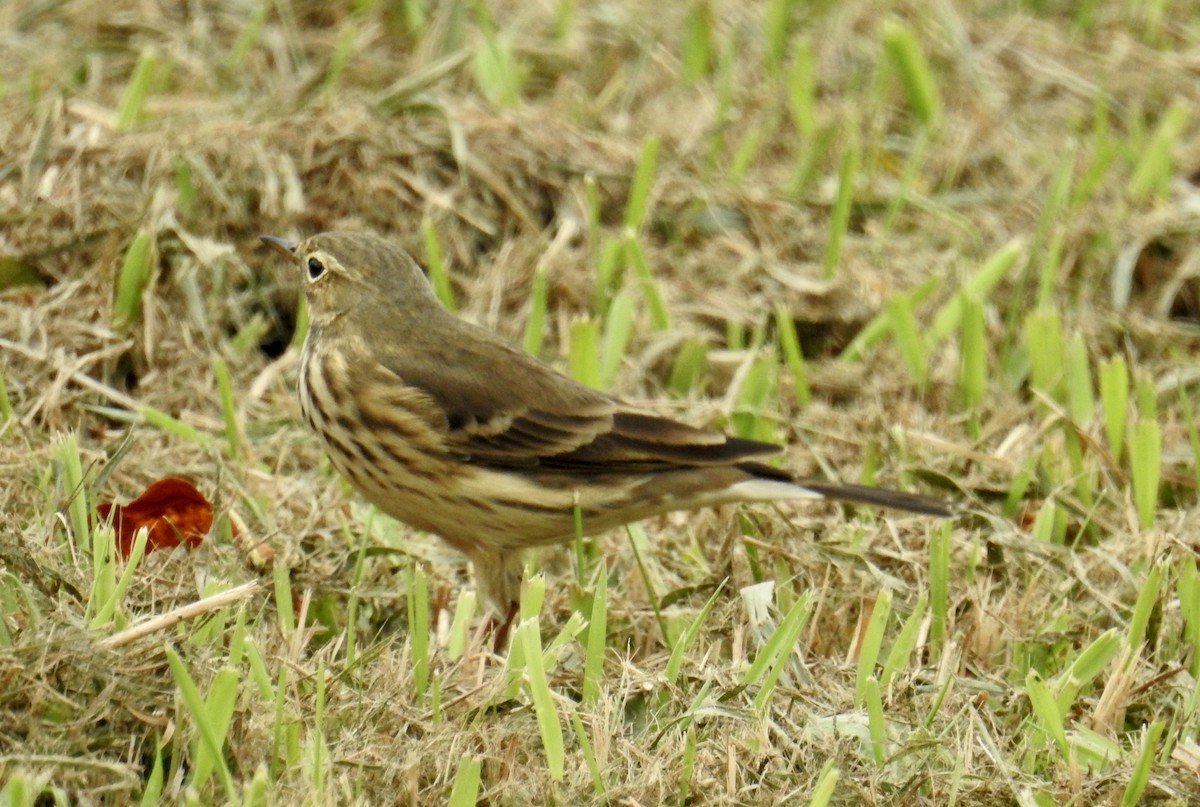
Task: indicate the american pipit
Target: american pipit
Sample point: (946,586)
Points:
(447,427)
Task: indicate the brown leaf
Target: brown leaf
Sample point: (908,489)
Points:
(172,508)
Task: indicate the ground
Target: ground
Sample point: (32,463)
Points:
(947,247)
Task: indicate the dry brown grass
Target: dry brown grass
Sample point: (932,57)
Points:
(403,134)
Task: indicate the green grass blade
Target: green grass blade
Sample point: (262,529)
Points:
(460,625)
(1114,399)
(281,756)
(610,263)
(1153,173)
(872,640)
(1187,587)
(1193,433)
(1090,662)
(439,277)
(914,167)
(70,470)
(301,332)
(256,791)
(681,646)
(978,286)
(1045,709)
(210,736)
(259,673)
(161,420)
(618,327)
(583,361)
(1081,400)
(973,369)
(132,281)
(1047,362)
(802,89)
(1145,466)
(497,72)
(876,722)
(536,323)
(418,630)
(687,766)
(822,794)
(533,594)
(758,387)
(777,25)
(593,208)
(6,410)
(218,707)
(318,744)
(465,790)
(659,319)
(1140,775)
(1143,609)
(639,541)
(543,702)
(589,755)
(768,662)
(136,90)
(639,188)
(103,580)
(248,37)
(904,329)
(1146,397)
(909,62)
(698,51)
(881,324)
(597,636)
(744,154)
(152,792)
(839,219)
(23,789)
(283,600)
(939,586)
(906,642)
(688,369)
(228,407)
(107,611)
(789,343)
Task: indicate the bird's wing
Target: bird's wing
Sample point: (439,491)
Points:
(503,408)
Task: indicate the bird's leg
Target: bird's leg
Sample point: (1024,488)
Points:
(502,627)
(498,577)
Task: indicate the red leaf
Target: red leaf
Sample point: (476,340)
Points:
(172,508)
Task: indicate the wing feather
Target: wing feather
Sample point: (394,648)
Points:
(505,409)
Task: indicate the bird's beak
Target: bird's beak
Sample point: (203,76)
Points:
(280,245)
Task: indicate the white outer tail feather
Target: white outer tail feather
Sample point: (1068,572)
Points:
(766,490)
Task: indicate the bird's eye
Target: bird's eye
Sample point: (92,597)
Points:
(315,269)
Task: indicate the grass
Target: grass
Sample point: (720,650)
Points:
(947,251)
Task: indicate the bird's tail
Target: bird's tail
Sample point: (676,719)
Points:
(769,483)
(877,497)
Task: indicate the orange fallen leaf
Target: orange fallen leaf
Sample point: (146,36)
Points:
(173,510)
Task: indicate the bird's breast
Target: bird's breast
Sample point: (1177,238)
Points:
(375,431)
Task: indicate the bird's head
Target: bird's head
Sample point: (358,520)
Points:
(357,274)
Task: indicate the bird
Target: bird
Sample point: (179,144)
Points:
(448,427)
